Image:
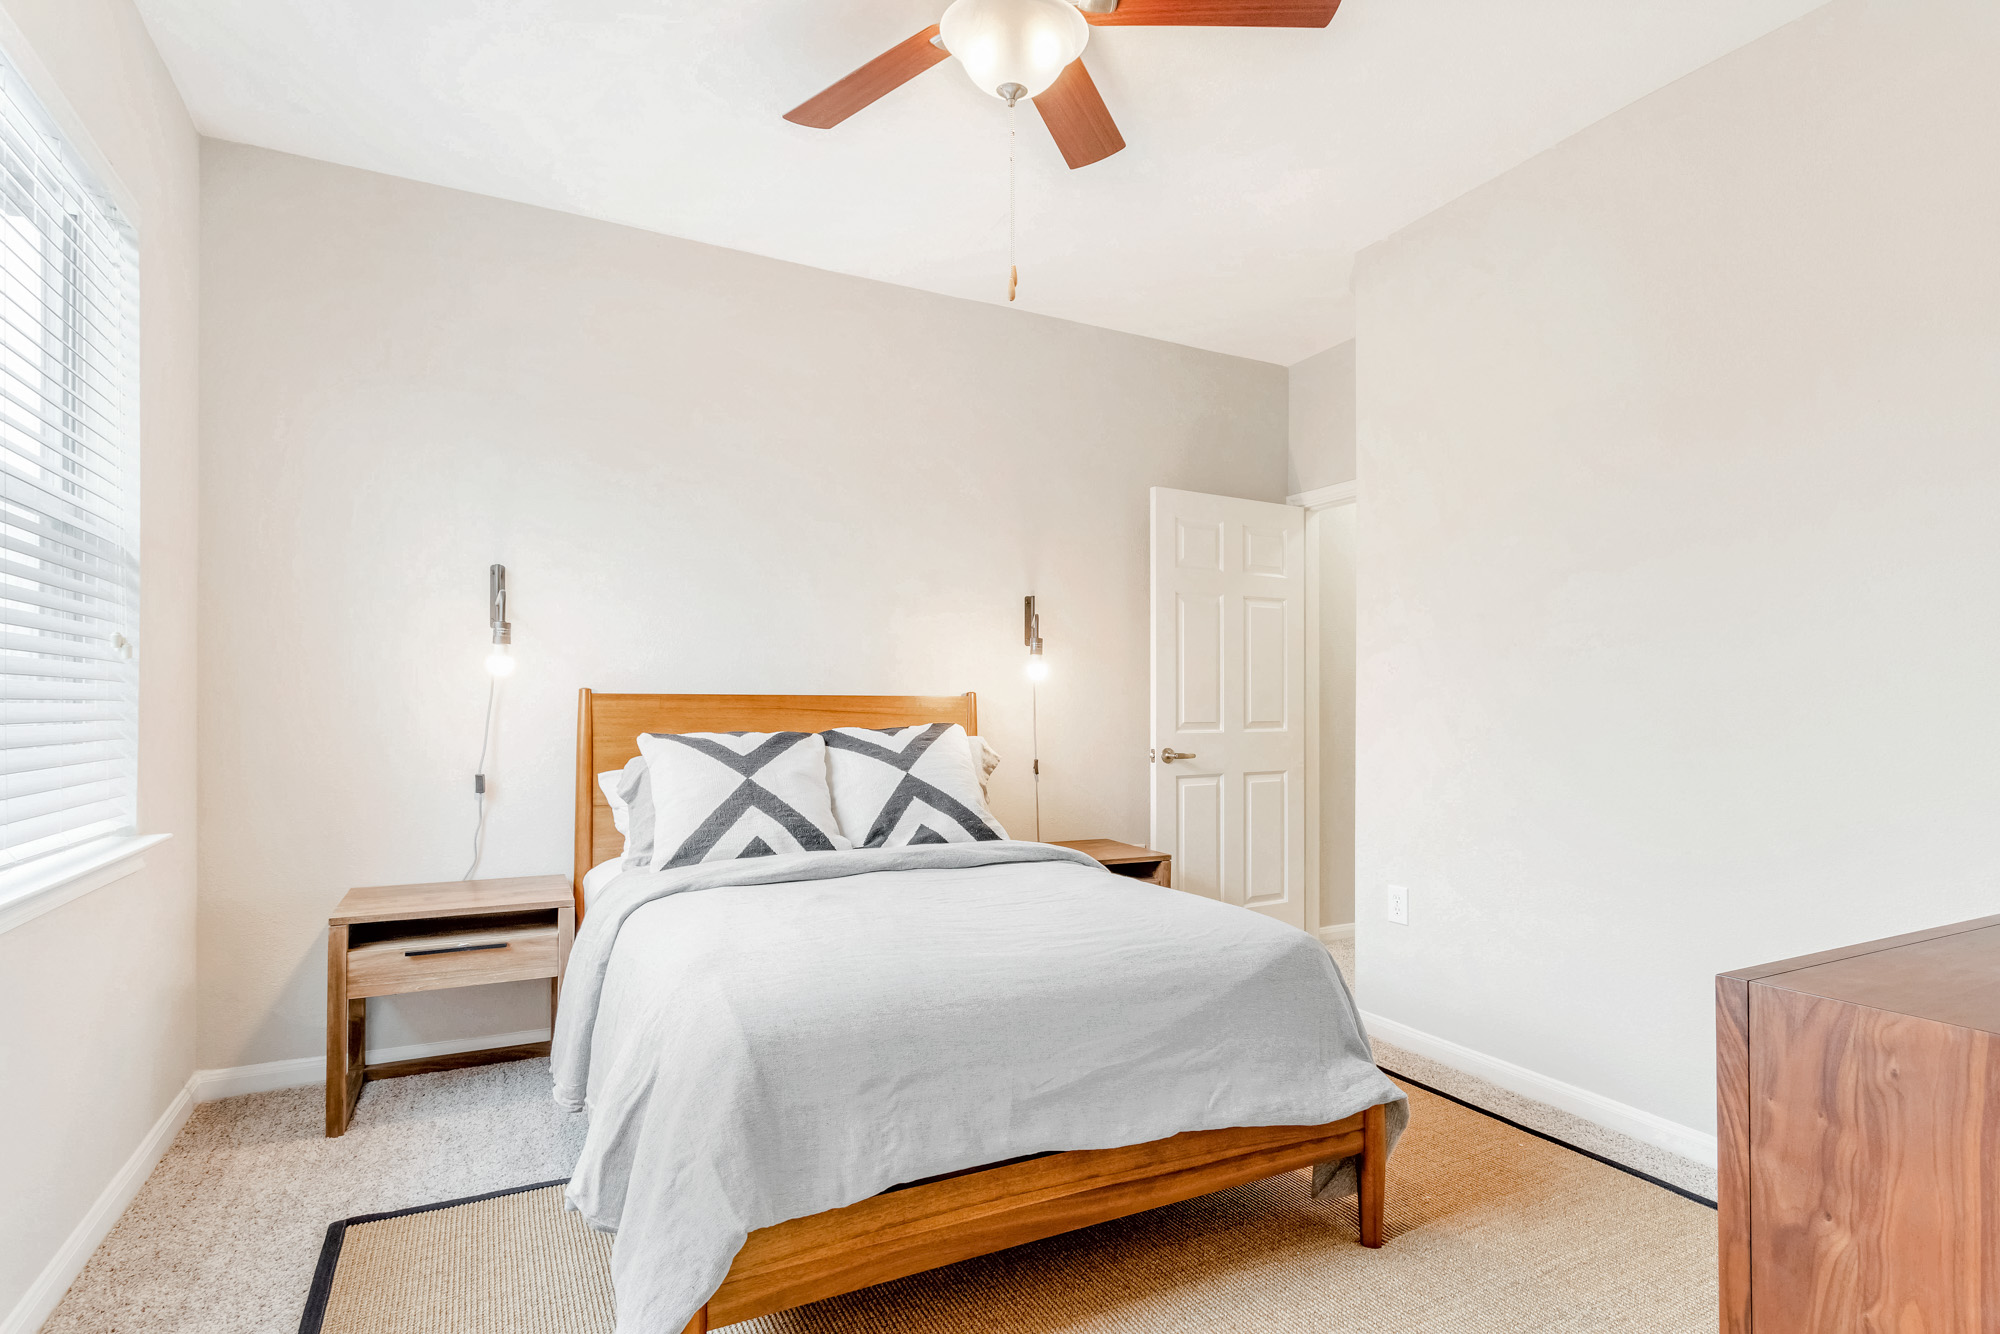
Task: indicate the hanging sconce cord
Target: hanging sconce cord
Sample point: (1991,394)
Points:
(1013,272)
(499,663)
(1035,745)
(479,779)
(1031,635)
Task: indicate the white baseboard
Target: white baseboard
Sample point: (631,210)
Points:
(1329,934)
(233,1081)
(1641,1125)
(68,1261)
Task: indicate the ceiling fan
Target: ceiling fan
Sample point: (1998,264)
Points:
(1031,49)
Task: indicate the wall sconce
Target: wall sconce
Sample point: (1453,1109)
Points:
(500,661)
(1038,666)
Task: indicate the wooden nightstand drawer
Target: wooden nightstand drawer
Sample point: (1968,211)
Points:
(447,957)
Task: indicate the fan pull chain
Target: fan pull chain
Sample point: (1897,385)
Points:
(1013,271)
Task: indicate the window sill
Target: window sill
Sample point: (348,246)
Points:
(26,892)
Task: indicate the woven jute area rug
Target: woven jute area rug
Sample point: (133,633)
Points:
(1489,1229)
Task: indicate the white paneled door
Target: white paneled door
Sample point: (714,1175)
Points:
(1229,741)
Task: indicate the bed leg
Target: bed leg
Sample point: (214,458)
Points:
(1374,1172)
(698,1325)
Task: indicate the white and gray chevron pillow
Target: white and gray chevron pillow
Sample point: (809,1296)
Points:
(718,796)
(907,785)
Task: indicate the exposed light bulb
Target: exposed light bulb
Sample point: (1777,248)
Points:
(500,662)
(1014,48)
(1038,667)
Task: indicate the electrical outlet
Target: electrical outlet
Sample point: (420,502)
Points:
(1399,904)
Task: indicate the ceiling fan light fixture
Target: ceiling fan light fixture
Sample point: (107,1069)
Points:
(1014,48)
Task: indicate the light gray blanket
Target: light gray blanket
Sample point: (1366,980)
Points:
(809,1030)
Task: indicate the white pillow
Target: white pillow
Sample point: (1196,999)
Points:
(607,783)
(907,785)
(985,760)
(630,794)
(718,796)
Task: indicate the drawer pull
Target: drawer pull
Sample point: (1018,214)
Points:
(456,949)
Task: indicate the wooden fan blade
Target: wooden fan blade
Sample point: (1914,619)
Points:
(1077,118)
(882,75)
(1218,14)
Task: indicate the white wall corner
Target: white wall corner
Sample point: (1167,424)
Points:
(49,1286)
(1644,1126)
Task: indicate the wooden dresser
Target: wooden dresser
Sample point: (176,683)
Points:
(1858,1129)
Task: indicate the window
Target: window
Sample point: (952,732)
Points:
(69,590)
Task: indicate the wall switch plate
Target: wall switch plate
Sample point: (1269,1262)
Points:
(1399,904)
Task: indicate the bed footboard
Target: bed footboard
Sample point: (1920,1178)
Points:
(941,1222)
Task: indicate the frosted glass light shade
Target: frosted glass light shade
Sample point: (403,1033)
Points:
(500,662)
(1007,42)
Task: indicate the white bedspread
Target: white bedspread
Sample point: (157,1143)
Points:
(755,1052)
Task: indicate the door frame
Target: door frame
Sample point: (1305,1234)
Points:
(1316,503)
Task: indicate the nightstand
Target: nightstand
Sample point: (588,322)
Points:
(392,939)
(1126,859)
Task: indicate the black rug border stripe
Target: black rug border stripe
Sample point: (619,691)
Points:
(322,1284)
(336,1233)
(336,1236)
(1681,1191)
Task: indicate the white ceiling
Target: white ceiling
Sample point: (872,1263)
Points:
(1259,161)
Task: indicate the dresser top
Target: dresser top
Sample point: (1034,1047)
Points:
(452,898)
(1949,975)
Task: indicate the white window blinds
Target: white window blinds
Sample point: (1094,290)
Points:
(68,493)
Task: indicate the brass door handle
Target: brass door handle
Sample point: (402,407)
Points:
(1169,755)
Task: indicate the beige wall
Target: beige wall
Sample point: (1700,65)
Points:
(705,471)
(99,993)
(1680,610)
(1321,427)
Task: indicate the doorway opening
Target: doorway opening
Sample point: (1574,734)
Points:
(1330,661)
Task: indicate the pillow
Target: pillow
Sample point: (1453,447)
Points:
(607,783)
(718,796)
(630,793)
(907,785)
(985,760)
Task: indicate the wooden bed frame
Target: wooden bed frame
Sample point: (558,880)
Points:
(909,1229)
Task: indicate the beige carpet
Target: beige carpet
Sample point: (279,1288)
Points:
(1489,1229)
(223,1237)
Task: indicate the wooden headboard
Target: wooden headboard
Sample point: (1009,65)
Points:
(608,728)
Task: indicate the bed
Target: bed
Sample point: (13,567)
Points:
(879,1230)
